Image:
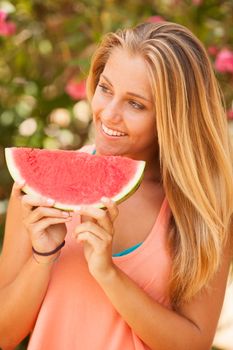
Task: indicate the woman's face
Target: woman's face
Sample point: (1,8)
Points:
(123,113)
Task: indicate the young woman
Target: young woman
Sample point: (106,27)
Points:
(151,272)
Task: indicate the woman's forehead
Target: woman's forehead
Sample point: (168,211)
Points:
(129,70)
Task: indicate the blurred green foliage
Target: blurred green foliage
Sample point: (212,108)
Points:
(52,44)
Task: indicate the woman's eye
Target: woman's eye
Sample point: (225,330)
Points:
(104,88)
(136,105)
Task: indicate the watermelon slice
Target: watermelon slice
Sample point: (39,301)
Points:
(73,178)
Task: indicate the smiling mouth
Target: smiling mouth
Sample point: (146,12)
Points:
(111,132)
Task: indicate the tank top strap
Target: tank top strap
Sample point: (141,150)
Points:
(158,234)
(160,228)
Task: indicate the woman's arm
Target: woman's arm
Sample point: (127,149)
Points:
(20,301)
(23,281)
(190,327)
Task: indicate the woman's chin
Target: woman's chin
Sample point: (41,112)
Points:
(107,150)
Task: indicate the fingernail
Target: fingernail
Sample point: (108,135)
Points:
(50,201)
(77,208)
(65,214)
(20,183)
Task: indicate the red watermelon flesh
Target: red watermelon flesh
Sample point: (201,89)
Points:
(72,178)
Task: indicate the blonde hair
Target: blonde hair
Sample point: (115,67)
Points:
(194,145)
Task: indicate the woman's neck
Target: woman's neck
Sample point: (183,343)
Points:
(153,170)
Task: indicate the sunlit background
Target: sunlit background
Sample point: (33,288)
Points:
(45,50)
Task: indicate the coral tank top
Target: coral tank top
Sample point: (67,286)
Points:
(77,315)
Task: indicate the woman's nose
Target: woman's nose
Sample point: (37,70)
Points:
(111,111)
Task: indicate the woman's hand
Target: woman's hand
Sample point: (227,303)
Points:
(44,224)
(96,232)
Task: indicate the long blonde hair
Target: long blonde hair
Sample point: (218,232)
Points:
(194,145)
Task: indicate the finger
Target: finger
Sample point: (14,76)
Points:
(41,212)
(43,224)
(17,188)
(84,218)
(112,208)
(93,241)
(101,216)
(93,229)
(31,201)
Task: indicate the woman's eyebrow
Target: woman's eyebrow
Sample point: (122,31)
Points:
(128,92)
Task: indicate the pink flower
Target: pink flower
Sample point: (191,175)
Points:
(155,19)
(6,28)
(3,16)
(212,50)
(230,114)
(224,61)
(197,2)
(76,90)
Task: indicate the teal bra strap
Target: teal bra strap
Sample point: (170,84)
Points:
(128,250)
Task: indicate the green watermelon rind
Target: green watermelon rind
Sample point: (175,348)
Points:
(126,191)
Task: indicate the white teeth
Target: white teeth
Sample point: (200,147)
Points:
(111,132)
